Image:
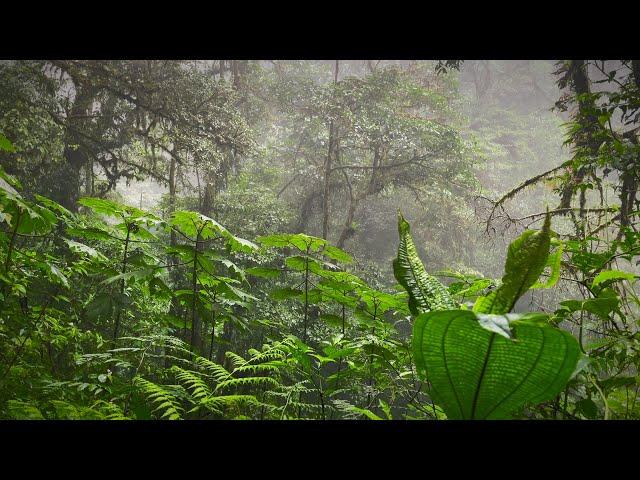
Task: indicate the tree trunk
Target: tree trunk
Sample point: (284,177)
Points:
(327,168)
(67,184)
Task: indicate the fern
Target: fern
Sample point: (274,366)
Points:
(214,370)
(218,404)
(195,384)
(164,400)
(246,381)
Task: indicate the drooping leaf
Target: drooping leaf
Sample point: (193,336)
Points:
(611,276)
(284,293)
(554,262)
(102,206)
(300,241)
(602,306)
(85,249)
(337,254)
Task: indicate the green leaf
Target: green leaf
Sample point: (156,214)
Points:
(85,249)
(426,293)
(90,233)
(100,205)
(264,272)
(611,275)
(587,407)
(284,293)
(553,263)
(461,289)
(6,145)
(337,254)
(300,241)
(135,274)
(190,223)
(478,374)
(238,244)
(23,411)
(526,260)
(100,306)
(367,413)
(602,306)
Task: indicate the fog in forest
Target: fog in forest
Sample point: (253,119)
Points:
(319,239)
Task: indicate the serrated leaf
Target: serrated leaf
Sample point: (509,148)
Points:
(526,260)
(426,293)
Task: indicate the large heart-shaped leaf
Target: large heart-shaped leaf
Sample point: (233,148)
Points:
(488,366)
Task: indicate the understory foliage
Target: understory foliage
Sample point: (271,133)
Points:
(104,317)
(208,306)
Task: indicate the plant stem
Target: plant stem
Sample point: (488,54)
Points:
(122,283)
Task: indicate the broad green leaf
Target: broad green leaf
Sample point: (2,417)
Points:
(611,275)
(300,241)
(284,293)
(23,411)
(91,233)
(333,320)
(8,183)
(301,263)
(82,248)
(553,263)
(588,408)
(190,223)
(464,290)
(100,205)
(602,306)
(100,306)
(135,274)
(337,254)
(526,260)
(238,244)
(476,373)
(426,293)
(264,272)
(367,413)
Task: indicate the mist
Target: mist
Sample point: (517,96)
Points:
(319,239)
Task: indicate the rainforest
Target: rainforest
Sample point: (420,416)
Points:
(319,239)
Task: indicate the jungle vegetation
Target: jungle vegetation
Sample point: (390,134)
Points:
(276,240)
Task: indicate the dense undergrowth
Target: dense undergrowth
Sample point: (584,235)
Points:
(116,313)
(197,307)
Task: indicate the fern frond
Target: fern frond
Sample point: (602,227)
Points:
(163,400)
(236,360)
(217,372)
(198,387)
(217,404)
(243,381)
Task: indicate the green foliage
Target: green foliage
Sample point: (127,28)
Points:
(112,311)
(426,293)
(488,366)
(526,260)
(165,402)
